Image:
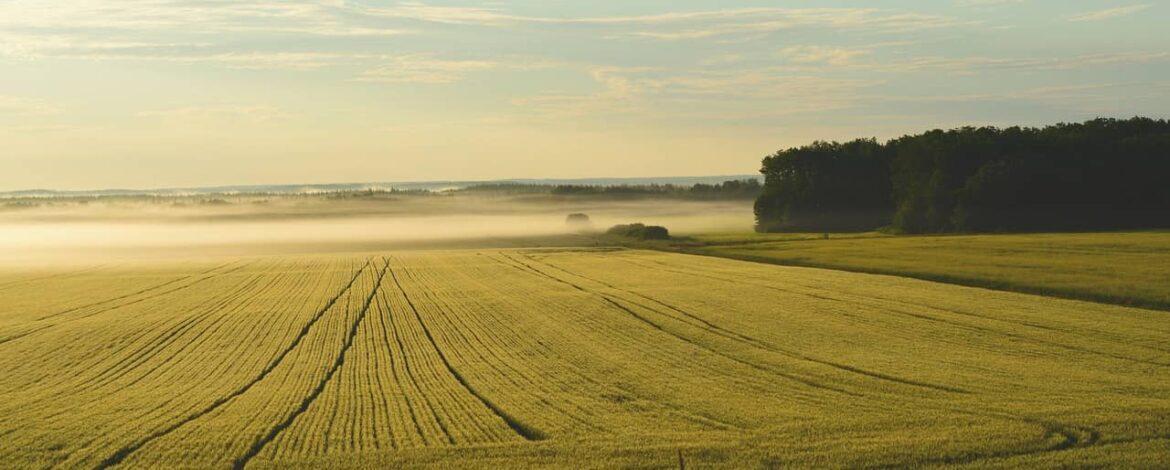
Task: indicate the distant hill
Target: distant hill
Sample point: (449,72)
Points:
(327,188)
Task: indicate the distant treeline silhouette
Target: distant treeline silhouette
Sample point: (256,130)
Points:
(1101,174)
(732,189)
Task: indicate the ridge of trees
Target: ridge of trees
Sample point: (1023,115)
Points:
(731,189)
(1096,175)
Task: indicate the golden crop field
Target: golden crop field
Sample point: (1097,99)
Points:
(1126,268)
(565,359)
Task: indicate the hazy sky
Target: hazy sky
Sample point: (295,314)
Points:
(151,93)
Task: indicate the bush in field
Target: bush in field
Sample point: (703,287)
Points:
(640,231)
(578,220)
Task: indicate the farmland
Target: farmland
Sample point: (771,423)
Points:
(1127,268)
(566,357)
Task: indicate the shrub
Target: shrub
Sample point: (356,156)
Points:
(640,231)
(577,219)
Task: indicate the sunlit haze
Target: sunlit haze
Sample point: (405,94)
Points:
(158,93)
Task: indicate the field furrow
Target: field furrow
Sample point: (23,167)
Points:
(564,358)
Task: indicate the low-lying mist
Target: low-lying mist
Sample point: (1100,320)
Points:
(148,228)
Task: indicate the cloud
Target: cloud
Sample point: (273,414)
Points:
(753,93)
(974,64)
(985,3)
(732,89)
(254,35)
(430,69)
(178,53)
(813,58)
(822,54)
(447,15)
(681,25)
(35,46)
(843,18)
(18,106)
(758,21)
(274,60)
(295,17)
(173,30)
(252,113)
(60,46)
(424,68)
(619,94)
(1110,13)
(1095,98)
(223,34)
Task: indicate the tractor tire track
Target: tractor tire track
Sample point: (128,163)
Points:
(506,369)
(1082,350)
(121,454)
(394,370)
(761,344)
(551,355)
(309,399)
(129,344)
(1071,437)
(523,430)
(143,291)
(613,303)
(1018,322)
(151,351)
(412,380)
(115,299)
(21,335)
(763,383)
(161,342)
(246,290)
(68,274)
(136,353)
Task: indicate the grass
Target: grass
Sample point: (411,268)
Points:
(1126,268)
(554,358)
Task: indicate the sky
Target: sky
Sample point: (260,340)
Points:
(164,93)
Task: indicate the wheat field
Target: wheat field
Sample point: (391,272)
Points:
(564,358)
(1124,268)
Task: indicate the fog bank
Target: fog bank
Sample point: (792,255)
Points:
(62,231)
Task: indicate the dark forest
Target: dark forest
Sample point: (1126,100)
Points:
(1102,174)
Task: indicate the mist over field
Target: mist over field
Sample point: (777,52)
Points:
(64,231)
(307,234)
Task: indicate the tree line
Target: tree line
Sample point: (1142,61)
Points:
(1097,175)
(732,189)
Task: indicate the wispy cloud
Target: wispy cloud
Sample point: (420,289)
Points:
(1110,13)
(986,3)
(732,89)
(20,106)
(759,21)
(683,25)
(176,30)
(34,46)
(814,58)
(721,94)
(253,113)
(424,68)
(1088,99)
(64,47)
(619,94)
(822,54)
(975,64)
(342,32)
(297,17)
